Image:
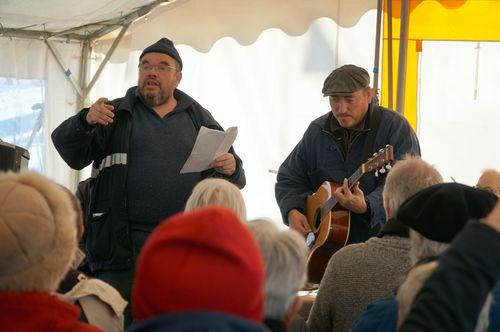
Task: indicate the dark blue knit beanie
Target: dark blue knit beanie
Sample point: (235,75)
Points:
(164,46)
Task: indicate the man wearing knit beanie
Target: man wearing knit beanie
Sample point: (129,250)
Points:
(137,171)
(37,246)
(214,279)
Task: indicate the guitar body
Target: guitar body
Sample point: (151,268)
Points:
(331,232)
(329,221)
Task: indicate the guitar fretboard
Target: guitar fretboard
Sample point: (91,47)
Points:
(332,201)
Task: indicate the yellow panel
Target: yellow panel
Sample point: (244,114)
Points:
(472,20)
(454,20)
(410,111)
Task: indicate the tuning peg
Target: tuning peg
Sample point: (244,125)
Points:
(382,170)
(376,174)
(381,150)
(388,166)
(374,154)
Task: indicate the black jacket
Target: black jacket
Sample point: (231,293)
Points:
(108,244)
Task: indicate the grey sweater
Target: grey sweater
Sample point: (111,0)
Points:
(356,276)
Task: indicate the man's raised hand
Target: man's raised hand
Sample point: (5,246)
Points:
(100,113)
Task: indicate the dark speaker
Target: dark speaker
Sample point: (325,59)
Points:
(13,157)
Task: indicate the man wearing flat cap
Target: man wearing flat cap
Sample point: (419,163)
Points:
(138,145)
(333,147)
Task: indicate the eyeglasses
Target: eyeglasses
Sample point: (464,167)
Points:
(162,68)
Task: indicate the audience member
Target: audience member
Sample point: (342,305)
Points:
(199,271)
(285,256)
(452,298)
(434,215)
(37,246)
(214,191)
(412,285)
(490,180)
(101,304)
(362,273)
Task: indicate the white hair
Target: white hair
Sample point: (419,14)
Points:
(421,247)
(413,284)
(214,191)
(408,176)
(285,256)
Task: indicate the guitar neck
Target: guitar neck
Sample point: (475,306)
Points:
(332,201)
(355,177)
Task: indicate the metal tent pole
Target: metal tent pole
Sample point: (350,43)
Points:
(377,48)
(390,65)
(403,50)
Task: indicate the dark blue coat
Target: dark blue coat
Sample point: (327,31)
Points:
(318,157)
(382,315)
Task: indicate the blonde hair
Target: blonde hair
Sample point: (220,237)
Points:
(215,191)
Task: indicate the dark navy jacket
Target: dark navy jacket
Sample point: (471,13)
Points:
(107,228)
(197,321)
(318,157)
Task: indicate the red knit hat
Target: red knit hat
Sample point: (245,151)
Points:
(201,260)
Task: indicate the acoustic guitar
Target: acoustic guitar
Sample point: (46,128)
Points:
(329,221)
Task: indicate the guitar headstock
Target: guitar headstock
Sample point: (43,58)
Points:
(380,161)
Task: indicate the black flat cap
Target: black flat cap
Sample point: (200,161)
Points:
(165,46)
(441,211)
(346,80)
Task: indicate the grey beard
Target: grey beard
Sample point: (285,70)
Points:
(155,99)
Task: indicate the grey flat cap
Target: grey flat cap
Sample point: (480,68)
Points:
(346,80)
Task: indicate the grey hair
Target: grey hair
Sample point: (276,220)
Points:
(412,285)
(421,247)
(490,181)
(285,256)
(215,191)
(408,176)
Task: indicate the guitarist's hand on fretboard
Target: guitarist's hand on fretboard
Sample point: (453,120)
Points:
(353,200)
(297,221)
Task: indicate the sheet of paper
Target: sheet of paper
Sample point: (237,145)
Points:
(210,144)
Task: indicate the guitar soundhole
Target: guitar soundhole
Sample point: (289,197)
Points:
(318,219)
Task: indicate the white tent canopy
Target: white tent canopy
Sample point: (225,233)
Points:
(200,23)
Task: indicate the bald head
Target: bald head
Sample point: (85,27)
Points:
(490,180)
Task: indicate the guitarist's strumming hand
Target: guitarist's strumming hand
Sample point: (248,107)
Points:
(297,221)
(352,200)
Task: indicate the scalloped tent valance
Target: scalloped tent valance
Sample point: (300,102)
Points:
(200,23)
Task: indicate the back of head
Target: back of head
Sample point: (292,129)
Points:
(441,211)
(490,181)
(215,191)
(285,254)
(412,285)
(37,233)
(201,260)
(438,213)
(408,176)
